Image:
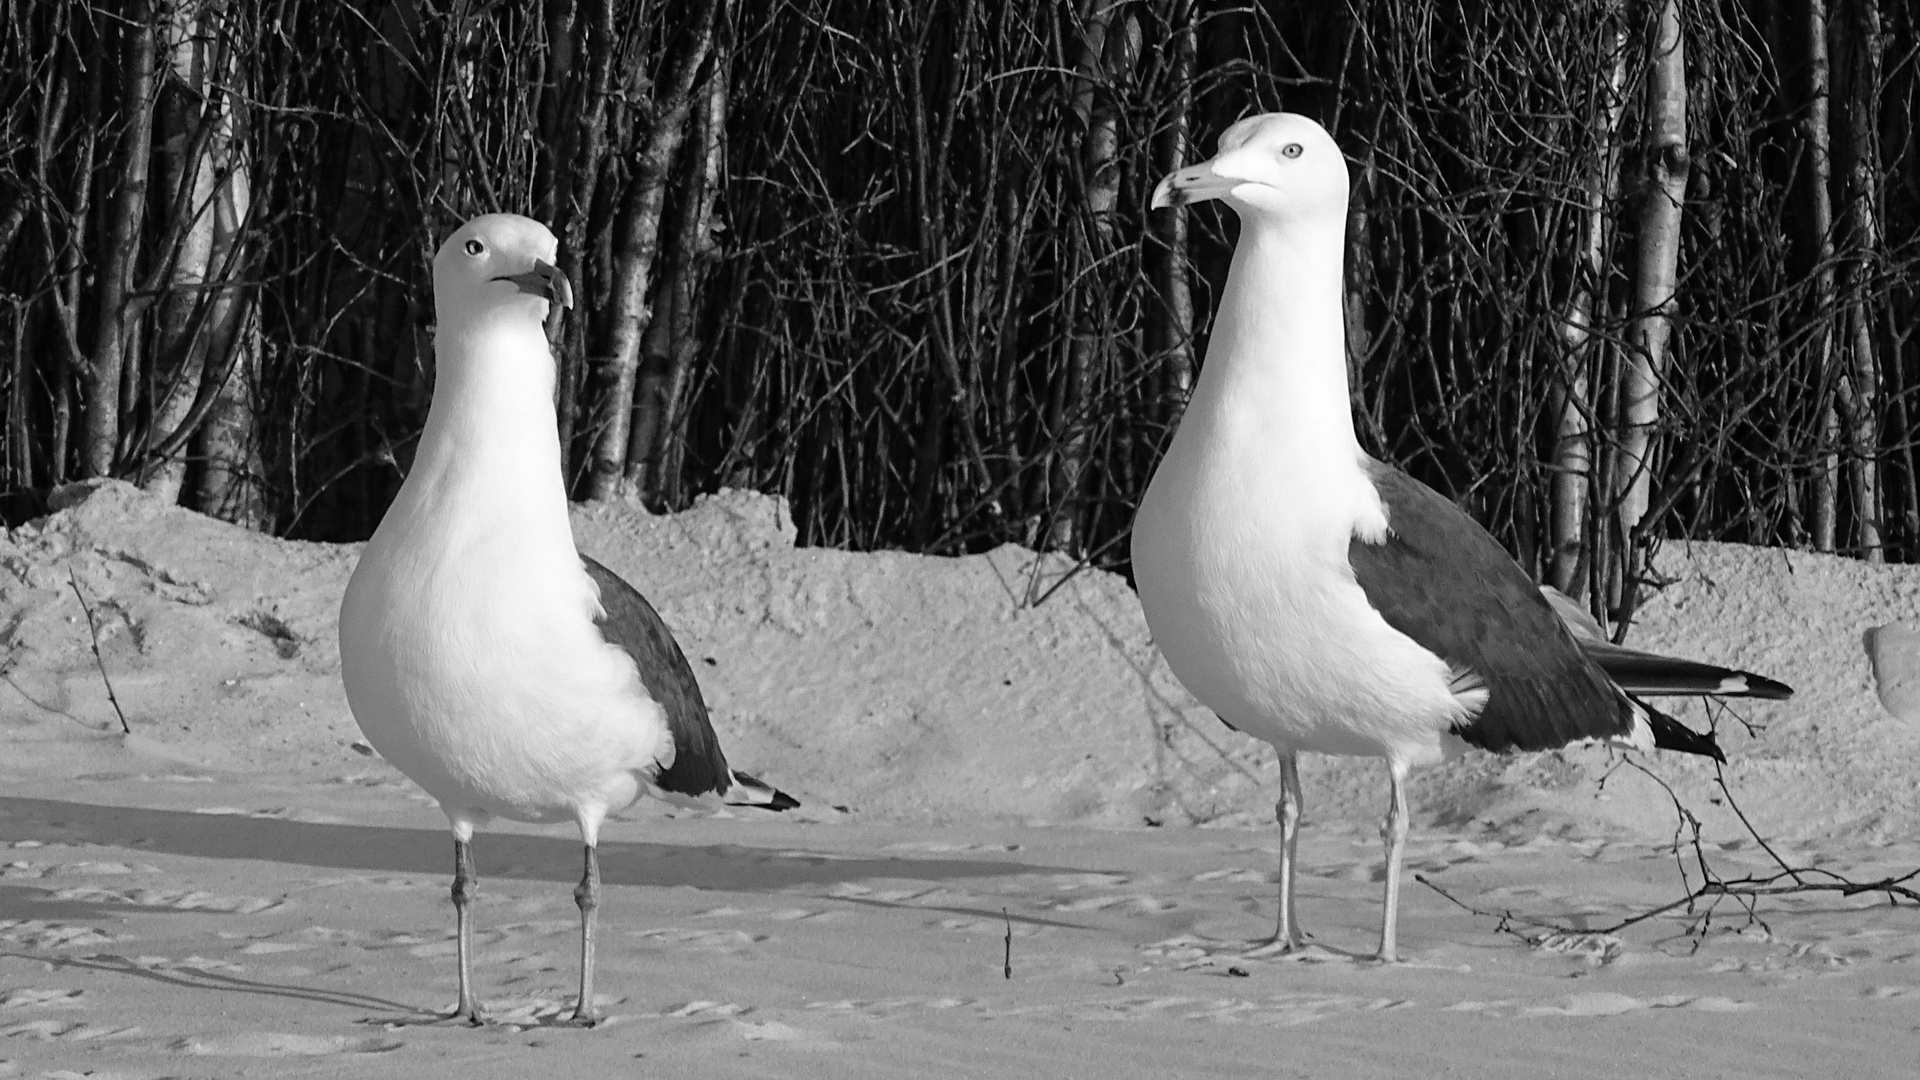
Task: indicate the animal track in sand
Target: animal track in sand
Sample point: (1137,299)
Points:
(847,890)
(1146,905)
(946,846)
(64,1030)
(713,1014)
(41,934)
(40,997)
(1235,874)
(1599,1003)
(776,915)
(706,939)
(278,1044)
(993,926)
(1275,1010)
(170,899)
(30,871)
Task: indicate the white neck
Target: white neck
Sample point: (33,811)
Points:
(1277,366)
(491,447)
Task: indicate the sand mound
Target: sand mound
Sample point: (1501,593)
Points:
(907,687)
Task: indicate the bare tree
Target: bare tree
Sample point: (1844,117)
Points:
(1656,264)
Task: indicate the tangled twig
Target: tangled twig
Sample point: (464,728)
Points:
(1703,898)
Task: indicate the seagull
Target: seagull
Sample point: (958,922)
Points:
(482,655)
(1321,600)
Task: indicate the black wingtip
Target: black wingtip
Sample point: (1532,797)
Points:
(1671,734)
(749,791)
(1759,686)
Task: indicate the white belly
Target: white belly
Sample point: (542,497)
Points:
(1243,575)
(476,669)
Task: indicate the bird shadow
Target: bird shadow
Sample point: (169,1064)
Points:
(518,856)
(186,977)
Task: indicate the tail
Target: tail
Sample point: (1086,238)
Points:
(747,791)
(1651,674)
(1647,673)
(1671,734)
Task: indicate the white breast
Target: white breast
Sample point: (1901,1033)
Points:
(1240,556)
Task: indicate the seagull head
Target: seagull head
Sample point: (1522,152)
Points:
(1277,165)
(499,263)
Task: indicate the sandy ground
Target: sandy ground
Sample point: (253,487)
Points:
(239,890)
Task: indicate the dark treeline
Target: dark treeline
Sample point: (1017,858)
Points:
(1619,270)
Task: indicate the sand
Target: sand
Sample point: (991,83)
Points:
(240,889)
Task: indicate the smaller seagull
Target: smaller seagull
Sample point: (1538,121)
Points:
(482,655)
(1318,599)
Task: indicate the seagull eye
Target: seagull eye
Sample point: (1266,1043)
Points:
(475,247)
(1291,150)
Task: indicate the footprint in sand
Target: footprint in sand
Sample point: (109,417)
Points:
(717,940)
(41,934)
(1594,948)
(1278,1010)
(847,890)
(279,1044)
(994,927)
(947,846)
(777,915)
(891,1008)
(1237,874)
(40,997)
(1145,905)
(1599,1003)
(64,1030)
(170,899)
(782,1034)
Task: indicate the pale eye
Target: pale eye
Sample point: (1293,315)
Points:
(1291,150)
(476,248)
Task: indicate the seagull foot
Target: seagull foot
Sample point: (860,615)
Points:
(1384,958)
(1278,946)
(469,1015)
(585,1017)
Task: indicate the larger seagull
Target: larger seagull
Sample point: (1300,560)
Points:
(1319,599)
(482,655)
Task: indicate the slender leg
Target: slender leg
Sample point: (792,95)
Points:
(1287,933)
(466,889)
(587,895)
(1394,831)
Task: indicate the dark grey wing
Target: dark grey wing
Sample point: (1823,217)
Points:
(1645,674)
(631,623)
(1445,582)
(1653,675)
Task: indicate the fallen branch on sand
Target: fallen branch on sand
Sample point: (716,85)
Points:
(1703,898)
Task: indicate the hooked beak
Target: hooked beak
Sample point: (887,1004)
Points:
(1195,183)
(544,280)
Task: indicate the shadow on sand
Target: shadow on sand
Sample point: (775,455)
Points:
(382,848)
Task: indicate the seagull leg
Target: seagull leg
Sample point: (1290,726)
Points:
(1394,831)
(587,895)
(465,891)
(1286,934)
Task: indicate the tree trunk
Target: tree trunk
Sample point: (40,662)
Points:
(638,243)
(658,446)
(1174,316)
(582,130)
(1816,129)
(1110,44)
(195,132)
(1571,399)
(1857,45)
(122,241)
(1656,263)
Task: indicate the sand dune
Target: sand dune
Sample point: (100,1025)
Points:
(238,890)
